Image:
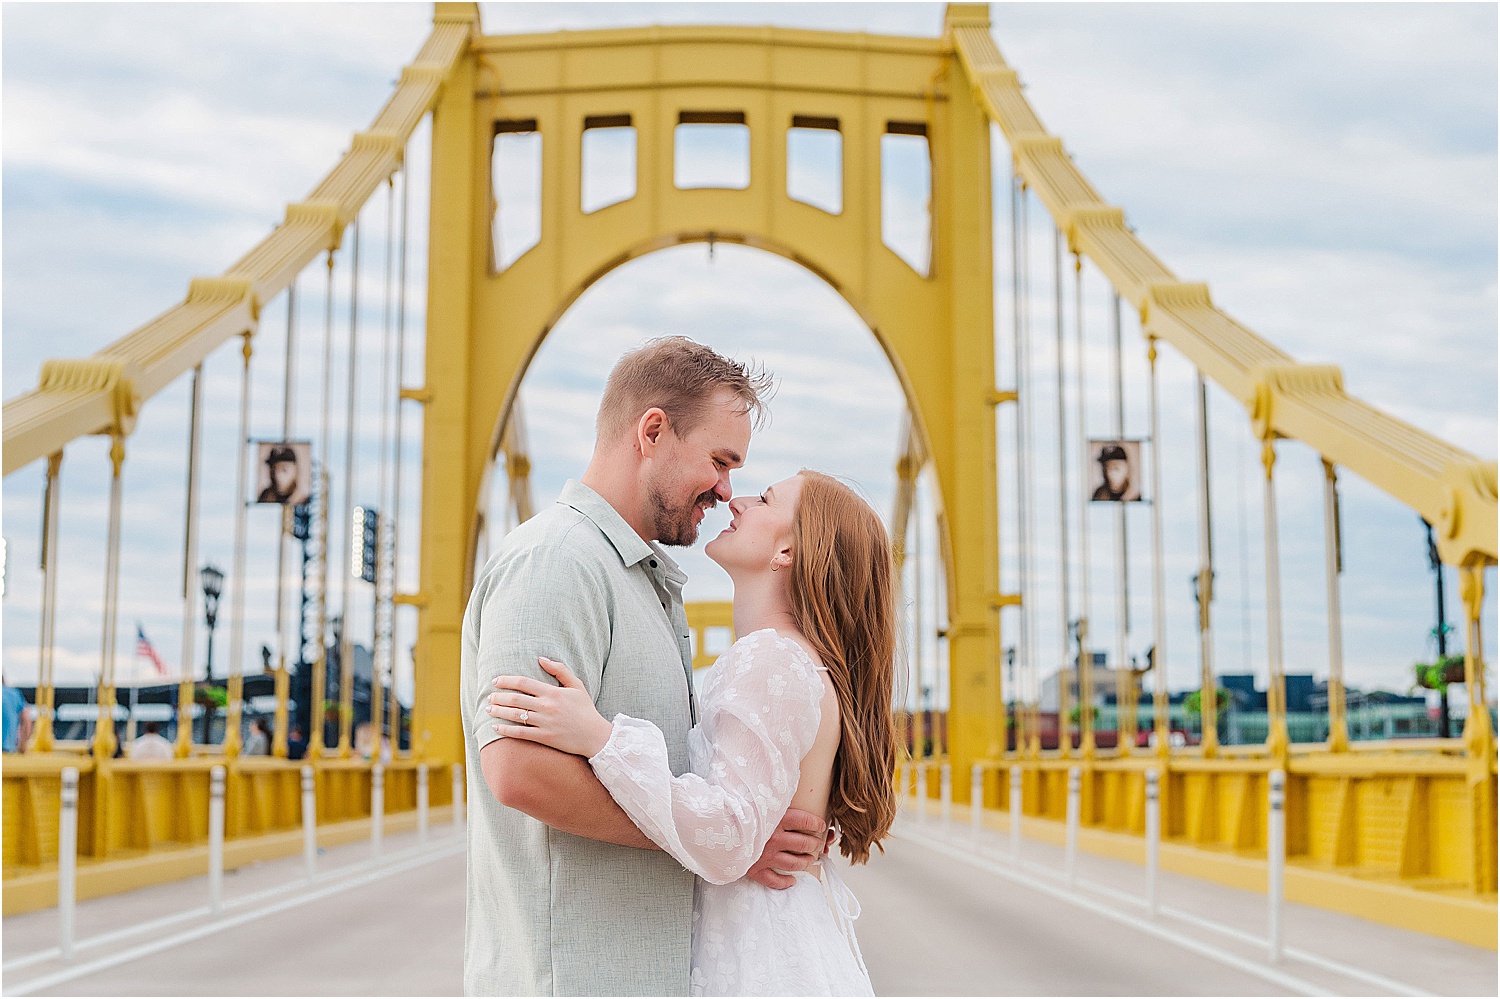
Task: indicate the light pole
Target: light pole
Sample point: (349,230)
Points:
(212,581)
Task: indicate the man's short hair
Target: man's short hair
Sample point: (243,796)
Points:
(680,377)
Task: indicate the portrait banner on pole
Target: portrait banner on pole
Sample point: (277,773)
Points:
(283,472)
(1115,471)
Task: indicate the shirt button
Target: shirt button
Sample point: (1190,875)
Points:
(653,563)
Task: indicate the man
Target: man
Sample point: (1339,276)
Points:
(151,745)
(281,464)
(1114,467)
(565,895)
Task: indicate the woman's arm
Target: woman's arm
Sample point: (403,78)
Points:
(759,727)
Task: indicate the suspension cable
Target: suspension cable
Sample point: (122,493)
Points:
(1019,236)
(184,744)
(288,409)
(395,706)
(382,650)
(1124,682)
(232,739)
(1065,555)
(346,637)
(1159,697)
(1085,657)
(1208,704)
(317,719)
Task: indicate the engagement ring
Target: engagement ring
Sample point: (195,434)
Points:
(523,716)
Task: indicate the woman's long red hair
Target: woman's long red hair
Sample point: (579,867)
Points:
(843,601)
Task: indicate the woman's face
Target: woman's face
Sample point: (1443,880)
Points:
(760,530)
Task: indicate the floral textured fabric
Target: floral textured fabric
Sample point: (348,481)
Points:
(760,713)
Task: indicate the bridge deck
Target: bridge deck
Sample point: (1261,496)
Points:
(941,917)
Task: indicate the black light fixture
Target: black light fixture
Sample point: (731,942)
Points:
(212,581)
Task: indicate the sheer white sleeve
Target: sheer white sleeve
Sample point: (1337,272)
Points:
(760,715)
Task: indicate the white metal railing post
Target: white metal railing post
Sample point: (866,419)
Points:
(976,800)
(459,811)
(945,792)
(1070,856)
(1276,858)
(309,823)
(421,802)
(216,840)
(1015,812)
(67,861)
(377,807)
(1153,834)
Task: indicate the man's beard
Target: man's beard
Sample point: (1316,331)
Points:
(674,526)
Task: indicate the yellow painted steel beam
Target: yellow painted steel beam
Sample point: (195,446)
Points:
(102,394)
(485,324)
(705,614)
(1448,486)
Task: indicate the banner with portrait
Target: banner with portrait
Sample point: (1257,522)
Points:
(1114,471)
(283,472)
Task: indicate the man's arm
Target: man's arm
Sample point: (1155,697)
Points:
(558,789)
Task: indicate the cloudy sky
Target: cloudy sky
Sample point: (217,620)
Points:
(1330,170)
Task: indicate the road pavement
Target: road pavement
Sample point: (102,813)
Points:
(943,914)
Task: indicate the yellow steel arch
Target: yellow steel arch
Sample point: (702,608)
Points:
(484,327)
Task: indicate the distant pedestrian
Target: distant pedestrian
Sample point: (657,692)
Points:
(259,743)
(150,745)
(17,723)
(296,743)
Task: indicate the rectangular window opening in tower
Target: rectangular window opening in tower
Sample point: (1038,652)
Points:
(608,161)
(712,149)
(515,191)
(906,193)
(815,162)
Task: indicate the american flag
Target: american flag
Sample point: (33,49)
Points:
(143,648)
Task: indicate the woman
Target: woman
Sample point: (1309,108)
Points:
(795,714)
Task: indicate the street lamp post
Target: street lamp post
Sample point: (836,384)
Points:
(212,581)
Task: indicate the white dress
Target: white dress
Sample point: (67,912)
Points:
(760,712)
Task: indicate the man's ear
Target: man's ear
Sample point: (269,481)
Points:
(649,430)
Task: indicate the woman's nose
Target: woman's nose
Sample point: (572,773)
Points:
(738,504)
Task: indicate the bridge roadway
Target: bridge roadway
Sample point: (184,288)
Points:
(944,914)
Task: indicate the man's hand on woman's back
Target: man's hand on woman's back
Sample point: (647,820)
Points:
(798,842)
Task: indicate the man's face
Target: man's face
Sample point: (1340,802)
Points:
(1117,475)
(689,475)
(284,477)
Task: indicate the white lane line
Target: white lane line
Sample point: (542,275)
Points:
(1307,957)
(333,874)
(208,929)
(1300,986)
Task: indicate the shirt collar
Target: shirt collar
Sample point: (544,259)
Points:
(629,544)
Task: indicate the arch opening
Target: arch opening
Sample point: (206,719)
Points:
(839,400)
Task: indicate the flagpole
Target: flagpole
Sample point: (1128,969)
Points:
(135,688)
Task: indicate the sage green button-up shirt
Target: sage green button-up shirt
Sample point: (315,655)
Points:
(549,913)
